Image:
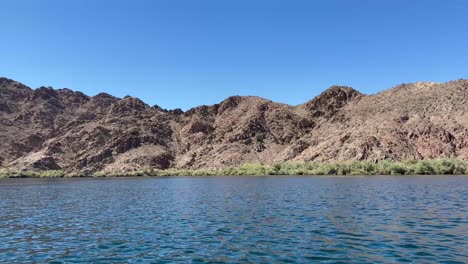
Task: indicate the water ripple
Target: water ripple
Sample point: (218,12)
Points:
(235,220)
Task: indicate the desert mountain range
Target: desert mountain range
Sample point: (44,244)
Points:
(49,129)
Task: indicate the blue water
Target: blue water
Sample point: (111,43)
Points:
(235,220)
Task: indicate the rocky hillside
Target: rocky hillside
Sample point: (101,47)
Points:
(46,129)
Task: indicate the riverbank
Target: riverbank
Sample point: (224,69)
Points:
(424,167)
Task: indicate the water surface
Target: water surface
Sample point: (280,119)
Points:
(235,220)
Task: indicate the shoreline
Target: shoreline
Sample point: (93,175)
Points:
(233,176)
(350,168)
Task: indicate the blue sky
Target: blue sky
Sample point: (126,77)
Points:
(176,53)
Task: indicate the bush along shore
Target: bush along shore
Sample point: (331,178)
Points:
(421,167)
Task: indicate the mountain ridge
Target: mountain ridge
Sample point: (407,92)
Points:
(45,129)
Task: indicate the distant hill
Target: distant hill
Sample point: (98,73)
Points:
(48,129)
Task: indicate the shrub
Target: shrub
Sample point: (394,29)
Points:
(99,174)
(362,168)
(423,167)
(398,169)
(51,174)
(449,166)
(384,167)
(252,169)
(3,173)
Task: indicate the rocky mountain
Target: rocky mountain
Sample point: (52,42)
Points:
(48,129)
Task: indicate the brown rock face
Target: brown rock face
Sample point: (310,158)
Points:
(47,129)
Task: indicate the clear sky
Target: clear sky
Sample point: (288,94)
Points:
(176,53)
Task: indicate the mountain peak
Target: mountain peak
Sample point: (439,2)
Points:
(9,83)
(129,104)
(329,101)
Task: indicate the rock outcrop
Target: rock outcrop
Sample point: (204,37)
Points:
(46,129)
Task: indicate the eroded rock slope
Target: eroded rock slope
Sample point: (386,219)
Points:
(46,129)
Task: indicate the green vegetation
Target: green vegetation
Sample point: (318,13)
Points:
(32,174)
(422,167)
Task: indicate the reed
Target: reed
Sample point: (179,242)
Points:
(385,167)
